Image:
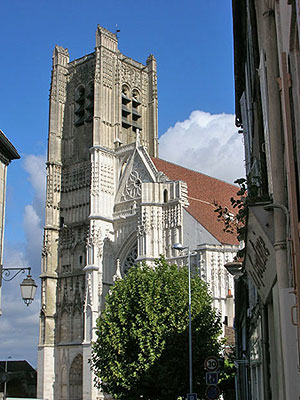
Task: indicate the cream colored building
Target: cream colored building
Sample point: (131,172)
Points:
(111,202)
(7,154)
(267,87)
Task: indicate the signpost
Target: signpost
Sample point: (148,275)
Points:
(211,364)
(192,396)
(212,392)
(212,378)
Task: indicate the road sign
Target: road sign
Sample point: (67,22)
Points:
(211,364)
(192,396)
(212,378)
(212,392)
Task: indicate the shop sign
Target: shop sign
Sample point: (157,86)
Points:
(260,256)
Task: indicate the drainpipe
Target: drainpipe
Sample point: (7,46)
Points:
(265,351)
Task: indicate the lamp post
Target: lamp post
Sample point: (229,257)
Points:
(180,247)
(28,285)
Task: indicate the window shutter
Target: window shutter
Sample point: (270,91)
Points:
(246,132)
(264,102)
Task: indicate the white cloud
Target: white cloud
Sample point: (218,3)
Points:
(34,214)
(34,235)
(208,143)
(35,166)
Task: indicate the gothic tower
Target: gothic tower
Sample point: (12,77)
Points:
(98,103)
(111,202)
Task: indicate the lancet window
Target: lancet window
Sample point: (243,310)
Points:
(84,104)
(131,113)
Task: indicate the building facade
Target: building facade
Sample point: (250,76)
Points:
(112,202)
(266,59)
(7,154)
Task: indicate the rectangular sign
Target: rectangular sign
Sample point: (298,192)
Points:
(260,257)
(212,378)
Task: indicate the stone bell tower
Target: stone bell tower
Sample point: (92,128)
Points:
(99,103)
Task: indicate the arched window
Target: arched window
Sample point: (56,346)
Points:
(79,257)
(90,103)
(165,196)
(88,324)
(75,379)
(63,384)
(126,107)
(136,115)
(65,327)
(79,105)
(77,329)
(130,260)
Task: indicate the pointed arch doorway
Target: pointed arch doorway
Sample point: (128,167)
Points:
(75,379)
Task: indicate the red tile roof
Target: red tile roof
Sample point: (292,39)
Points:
(203,192)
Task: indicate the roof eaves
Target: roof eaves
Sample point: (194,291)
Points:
(7,148)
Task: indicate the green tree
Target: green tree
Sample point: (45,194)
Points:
(142,347)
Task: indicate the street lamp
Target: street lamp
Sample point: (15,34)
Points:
(180,247)
(235,268)
(28,286)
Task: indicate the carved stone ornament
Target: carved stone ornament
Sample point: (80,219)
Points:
(133,188)
(171,216)
(46,249)
(71,294)
(88,294)
(130,75)
(144,223)
(95,237)
(95,178)
(108,68)
(53,182)
(84,73)
(67,238)
(139,174)
(161,177)
(107,179)
(118,274)
(76,176)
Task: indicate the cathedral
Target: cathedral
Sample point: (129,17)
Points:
(111,202)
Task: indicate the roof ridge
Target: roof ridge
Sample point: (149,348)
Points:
(202,201)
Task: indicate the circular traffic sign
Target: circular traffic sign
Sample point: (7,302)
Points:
(212,392)
(211,363)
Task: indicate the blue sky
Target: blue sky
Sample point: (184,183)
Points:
(192,42)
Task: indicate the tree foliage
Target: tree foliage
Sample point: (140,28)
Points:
(142,335)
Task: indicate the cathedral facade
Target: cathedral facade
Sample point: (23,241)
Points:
(112,202)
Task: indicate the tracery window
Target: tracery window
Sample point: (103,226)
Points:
(130,260)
